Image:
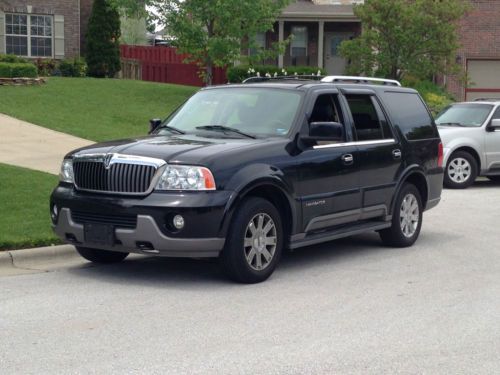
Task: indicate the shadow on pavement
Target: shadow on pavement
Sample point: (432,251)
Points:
(155,271)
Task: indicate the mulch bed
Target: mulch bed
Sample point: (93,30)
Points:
(21,81)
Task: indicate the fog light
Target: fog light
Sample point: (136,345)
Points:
(178,222)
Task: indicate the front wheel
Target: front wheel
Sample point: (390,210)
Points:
(101,256)
(406,219)
(254,242)
(461,170)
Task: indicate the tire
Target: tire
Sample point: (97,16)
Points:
(404,233)
(461,170)
(494,178)
(244,257)
(101,256)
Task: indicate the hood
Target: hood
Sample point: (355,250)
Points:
(171,148)
(449,133)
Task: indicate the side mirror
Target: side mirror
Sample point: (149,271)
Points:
(494,125)
(153,124)
(326,131)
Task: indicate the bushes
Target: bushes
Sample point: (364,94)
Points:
(239,73)
(435,96)
(73,68)
(15,70)
(12,59)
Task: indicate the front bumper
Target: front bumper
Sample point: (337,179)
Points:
(133,240)
(202,236)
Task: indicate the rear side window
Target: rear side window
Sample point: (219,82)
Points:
(369,121)
(410,114)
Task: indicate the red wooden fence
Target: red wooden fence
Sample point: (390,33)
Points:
(163,64)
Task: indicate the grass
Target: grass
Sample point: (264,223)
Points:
(24,208)
(94,109)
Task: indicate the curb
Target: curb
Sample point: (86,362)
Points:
(38,259)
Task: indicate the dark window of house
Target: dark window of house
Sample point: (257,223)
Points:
(28,35)
(298,45)
(366,119)
(410,114)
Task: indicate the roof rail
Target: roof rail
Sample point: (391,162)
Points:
(355,79)
(487,100)
(298,77)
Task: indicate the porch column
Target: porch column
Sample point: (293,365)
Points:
(320,43)
(281,37)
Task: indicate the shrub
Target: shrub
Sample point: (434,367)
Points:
(239,73)
(73,68)
(102,42)
(15,70)
(46,67)
(434,95)
(12,59)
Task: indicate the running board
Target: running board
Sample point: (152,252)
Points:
(302,239)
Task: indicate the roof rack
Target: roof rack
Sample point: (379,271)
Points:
(355,79)
(298,77)
(487,100)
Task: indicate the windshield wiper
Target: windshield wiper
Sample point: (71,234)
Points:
(222,128)
(171,129)
(452,124)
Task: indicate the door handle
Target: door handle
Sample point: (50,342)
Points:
(396,154)
(347,159)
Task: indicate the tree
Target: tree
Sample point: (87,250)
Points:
(102,43)
(214,32)
(405,37)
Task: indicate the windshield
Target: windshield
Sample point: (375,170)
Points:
(469,115)
(256,111)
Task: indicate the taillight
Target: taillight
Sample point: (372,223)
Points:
(440,154)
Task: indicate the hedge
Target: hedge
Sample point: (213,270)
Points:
(239,73)
(17,70)
(12,59)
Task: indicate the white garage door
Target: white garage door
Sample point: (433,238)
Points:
(485,78)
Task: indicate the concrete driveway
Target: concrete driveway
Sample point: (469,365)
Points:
(32,146)
(346,307)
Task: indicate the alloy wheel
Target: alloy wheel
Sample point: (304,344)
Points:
(409,215)
(459,170)
(260,241)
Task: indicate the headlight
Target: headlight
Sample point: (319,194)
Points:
(186,177)
(66,174)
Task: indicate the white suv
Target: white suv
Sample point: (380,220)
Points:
(470,133)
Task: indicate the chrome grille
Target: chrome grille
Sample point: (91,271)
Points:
(123,175)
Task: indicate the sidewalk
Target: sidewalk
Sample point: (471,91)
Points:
(31,146)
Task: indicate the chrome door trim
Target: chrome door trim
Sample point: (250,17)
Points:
(358,143)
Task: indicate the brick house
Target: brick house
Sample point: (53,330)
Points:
(479,55)
(320,26)
(44,28)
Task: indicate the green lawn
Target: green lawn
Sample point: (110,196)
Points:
(24,208)
(95,109)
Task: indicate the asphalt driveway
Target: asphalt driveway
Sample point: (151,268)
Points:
(346,307)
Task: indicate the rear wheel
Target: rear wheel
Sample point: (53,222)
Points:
(101,256)
(406,219)
(254,242)
(461,170)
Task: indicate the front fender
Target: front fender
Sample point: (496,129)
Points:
(251,177)
(457,143)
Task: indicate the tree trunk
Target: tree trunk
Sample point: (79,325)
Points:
(209,73)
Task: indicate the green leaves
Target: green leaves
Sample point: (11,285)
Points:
(214,32)
(400,37)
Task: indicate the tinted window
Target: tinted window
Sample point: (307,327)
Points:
(410,114)
(326,109)
(366,120)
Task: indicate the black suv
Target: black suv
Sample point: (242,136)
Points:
(242,171)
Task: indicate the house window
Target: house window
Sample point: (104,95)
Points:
(260,43)
(28,35)
(298,46)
